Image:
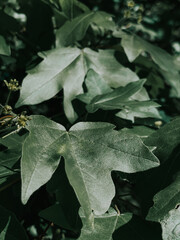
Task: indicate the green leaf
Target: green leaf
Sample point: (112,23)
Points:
(89,149)
(95,85)
(134,46)
(172,79)
(66,68)
(104,63)
(104,225)
(11,155)
(57,215)
(71,8)
(171,225)
(166,139)
(141,131)
(165,200)
(10,228)
(75,30)
(119,98)
(60,69)
(4,48)
(137,109)
(156,83)
(13,141)
(40,157)
(7,161)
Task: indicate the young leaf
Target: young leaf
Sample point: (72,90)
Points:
(95,85)
(104,225)
(10,228)
(171,225)
(4,48)
(91,152)
(142,109)
(117,99)
(66,68)
(164,201)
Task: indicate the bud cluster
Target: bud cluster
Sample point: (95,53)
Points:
(12,85)
(133,11)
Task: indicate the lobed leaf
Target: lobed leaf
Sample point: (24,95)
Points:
(91,151)
(134,46)
(66,68)
(124,98)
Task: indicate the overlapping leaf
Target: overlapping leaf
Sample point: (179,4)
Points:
(134,46)
(66,68)
(91,152)
(124,98)
(115,99)
(165,201)
(104,225)
(10,228)
(72,8)
(75,30)
(4,48)
(166,139)
(171,225)
(142,109)
(65,212)
(95,86)
(11,155)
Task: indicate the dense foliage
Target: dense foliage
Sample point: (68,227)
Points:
(89,120)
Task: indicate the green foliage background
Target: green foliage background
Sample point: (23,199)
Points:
(98,155)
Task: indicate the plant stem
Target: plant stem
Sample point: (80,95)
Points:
(6,103)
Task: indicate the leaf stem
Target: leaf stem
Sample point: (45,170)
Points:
(51,224)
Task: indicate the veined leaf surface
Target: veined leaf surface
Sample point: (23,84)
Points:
(91,151)
(66,68)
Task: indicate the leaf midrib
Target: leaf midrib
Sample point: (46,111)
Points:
(48,81)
